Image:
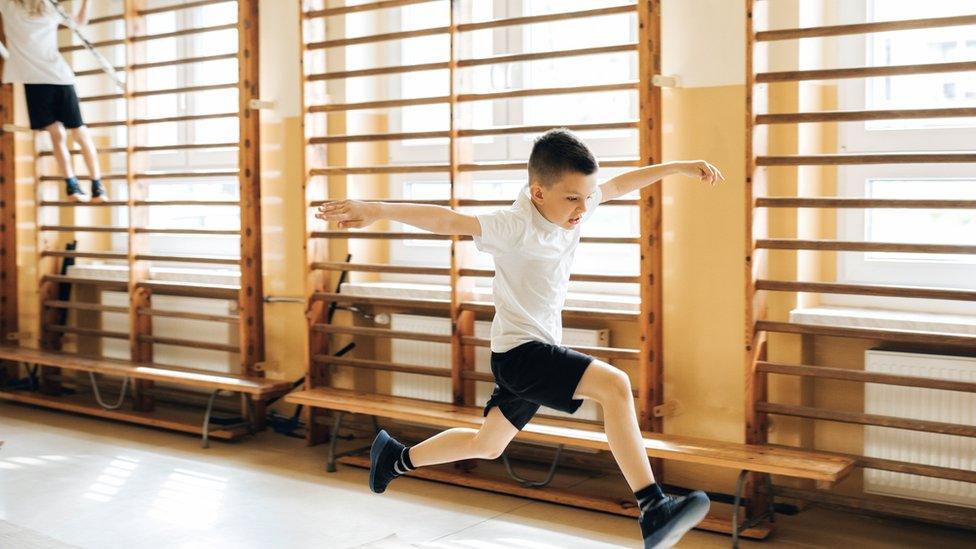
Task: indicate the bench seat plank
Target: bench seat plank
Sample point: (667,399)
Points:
(259,387)
(760,459)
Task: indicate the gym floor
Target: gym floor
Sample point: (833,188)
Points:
(65,481)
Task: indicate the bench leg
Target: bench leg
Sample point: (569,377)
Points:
(205,443)
(533,483)
(769,513)
(330,466)
(98,394)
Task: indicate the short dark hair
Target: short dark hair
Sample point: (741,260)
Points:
(556,152)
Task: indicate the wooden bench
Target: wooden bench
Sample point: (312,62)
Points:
(258,390)
(765,460)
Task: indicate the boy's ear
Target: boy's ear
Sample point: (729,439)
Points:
(535,190)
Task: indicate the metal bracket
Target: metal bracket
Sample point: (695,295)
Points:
(257,104)
(283,299)
(17,336)
(330,465)
(14,128)
(769,513)
(665,81)
(526,483)
(669,408)
(98,394)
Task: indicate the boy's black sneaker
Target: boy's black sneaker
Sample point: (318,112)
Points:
(98,192)
(73,191)
(383,456)
(664,524)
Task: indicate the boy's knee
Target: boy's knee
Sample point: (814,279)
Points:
(618,385)
(487,449)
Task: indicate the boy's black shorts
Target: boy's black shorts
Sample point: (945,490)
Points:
(50,103)
(536,374)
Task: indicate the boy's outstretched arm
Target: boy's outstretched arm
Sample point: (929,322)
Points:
(642,177)
(353,214)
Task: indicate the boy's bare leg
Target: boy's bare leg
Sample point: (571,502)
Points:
(83,137)
(611,388)
(456,444)
(59,147)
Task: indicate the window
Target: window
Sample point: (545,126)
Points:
(612,106)
(930,181)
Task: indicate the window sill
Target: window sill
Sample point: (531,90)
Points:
(886,319)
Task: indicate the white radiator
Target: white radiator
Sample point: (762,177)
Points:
(438,355)
(917,447)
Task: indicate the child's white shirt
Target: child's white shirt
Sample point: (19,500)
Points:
(533,258)
(33,45)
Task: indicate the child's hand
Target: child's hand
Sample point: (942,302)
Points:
(348,214)
(702,171)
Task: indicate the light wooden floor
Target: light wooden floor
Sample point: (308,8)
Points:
(92,483)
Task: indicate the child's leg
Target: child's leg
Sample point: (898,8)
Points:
(59,147)
(83,137)
(456,444)
(611,388)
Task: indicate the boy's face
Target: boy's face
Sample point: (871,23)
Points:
(564,203)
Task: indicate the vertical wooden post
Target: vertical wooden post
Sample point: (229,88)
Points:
(8,223)
(650,381)
(139,297)
(458,393)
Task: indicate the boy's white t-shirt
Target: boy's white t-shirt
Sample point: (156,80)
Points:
(33,45)
(533,257)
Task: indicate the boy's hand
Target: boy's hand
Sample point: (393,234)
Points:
(349,214)
(701,170)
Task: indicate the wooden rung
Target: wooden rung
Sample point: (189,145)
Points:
(384,104)
(374,38)
(88,332)
(106,97)
(188,343)
(864,28)
(183,32)
(556,54)
(952,516)
(872,158)
(186,289)
(317,203)
(189,316)
(858,116)
(365,6)
(153,203)
(864,72)
(186,147)
(859,246)
(65,204)
(881,464)
(470,202)
(381,332)
(506,130)
(378,71)
(96,44)
(437,304)
(382,366)
(77,152)
(102,19)
(97,72)
(183,61)
(180,6)
(500,166)
(533,19)
(866,289)
(534,92)
(893,203)
(144,121)
(379,268)
(204,232)
(477,376)
(120,285)
(895,336)
(568,312)
(105,177)
(867,419)
(378,235)
(216,260)
(77,229)
(362,170)
(576,277)
(605,352)
(87,255)
(402,136)
(185,89)
(862,376)
(82,306)
(186,175)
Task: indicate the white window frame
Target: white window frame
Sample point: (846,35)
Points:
(856,267)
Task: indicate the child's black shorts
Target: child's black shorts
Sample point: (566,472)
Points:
(50,103)
(536,374)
